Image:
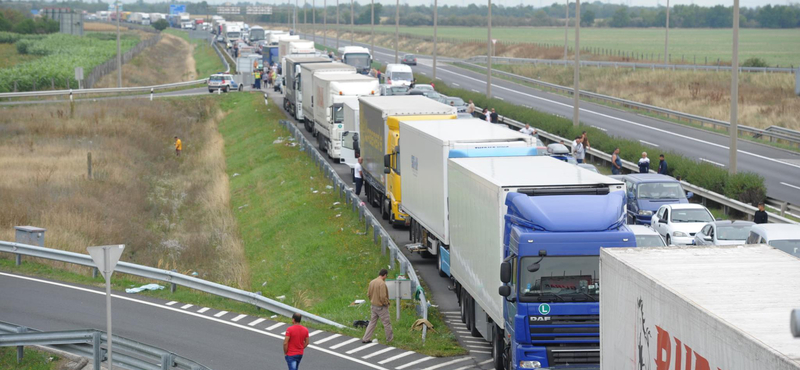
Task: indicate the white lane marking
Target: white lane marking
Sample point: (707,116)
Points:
(254,323)
(328,338)
(378,353)
(447,363)
(790,185)
(220,313)
(358,349)
(474,351)
(186,306)
(204,309)
(237,318)
(463,332)
(170,303)
(497,97)
(648,143)
(479,347)
(627,121)
(277,325)
(199,316)
(712,162)
(600,128)
(451,312)
(485,362)
(476,341)
(457,85)
(314,333)
(390,359)
(423,73)
(473,90)
(351,340)
(412,363)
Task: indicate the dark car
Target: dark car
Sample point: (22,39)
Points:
(409,59)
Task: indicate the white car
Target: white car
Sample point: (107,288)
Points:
(647,237)
(724,233)
(779,236)
(678,223)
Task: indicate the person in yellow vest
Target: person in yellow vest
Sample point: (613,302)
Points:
(178,146)
(257,81)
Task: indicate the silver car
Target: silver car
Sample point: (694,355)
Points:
(723,233)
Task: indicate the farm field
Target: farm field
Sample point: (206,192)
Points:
(9,56)
(777,47)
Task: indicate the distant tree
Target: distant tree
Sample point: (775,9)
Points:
(161,24)
(27,26)
(754,62)
(366,14)
(587,19)
(5,24)
(621,18)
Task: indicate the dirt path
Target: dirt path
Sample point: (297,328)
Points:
(168,61)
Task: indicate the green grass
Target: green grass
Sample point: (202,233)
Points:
(776,46)
(301,244)
(9,56)
(31,360)
(205,58)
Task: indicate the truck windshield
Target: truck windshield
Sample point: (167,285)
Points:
(560,279)
(256,35)
(661,190)
(234,35)
(357,60)
(338,113)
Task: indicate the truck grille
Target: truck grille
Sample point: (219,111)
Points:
(564,329)
(573,355)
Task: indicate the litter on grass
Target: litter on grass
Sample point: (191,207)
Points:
(143,288)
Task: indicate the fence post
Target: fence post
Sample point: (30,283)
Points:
(21,349)
(15,85)
(52,83)
(97,357)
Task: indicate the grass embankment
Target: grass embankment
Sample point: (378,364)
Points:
(168,61)
(205,58)
(300,241)
(32,360)
(170,212)
(764,99)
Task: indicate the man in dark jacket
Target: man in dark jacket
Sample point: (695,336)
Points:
(493,116)
(662,165)
(761,215)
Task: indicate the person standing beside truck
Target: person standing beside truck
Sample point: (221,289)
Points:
(527,130)
(644,163)
(578,150)
(493,116)
(616,163)
(357,177)
(378,294)
(662,165)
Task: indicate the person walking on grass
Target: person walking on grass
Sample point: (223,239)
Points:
(178,146)
(616,163)
(378,295)
(295,342)
(662,165)
(357,177)
(644,163)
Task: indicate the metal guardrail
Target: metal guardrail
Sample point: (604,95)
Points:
(704,194)
(754,132)
(111,90)
(366,216)
(92,344)
(171,277)
(652,66)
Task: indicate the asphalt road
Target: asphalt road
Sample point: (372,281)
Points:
(780,168)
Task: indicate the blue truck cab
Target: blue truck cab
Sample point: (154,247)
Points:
(647,192)
(550,274)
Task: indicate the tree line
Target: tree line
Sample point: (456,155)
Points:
(12,20)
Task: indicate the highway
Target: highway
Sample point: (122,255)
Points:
(780,168)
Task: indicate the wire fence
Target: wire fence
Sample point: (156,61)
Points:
(111,65)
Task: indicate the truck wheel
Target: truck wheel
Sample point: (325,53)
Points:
(320,144)
(441,273)
(473,330)
(498,347)
(386,208)
(463,305)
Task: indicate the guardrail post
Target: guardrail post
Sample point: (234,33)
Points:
(94,273)
(18,259)
(784,206)
(384,243)
(258,308)
(375,232)
(70,96)
(151,94)
(172,286)
(21,349)
(392,257)
(97,357)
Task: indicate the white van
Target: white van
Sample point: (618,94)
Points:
(398,75)
(780,236)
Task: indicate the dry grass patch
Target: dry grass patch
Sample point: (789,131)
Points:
(171,212)
(103,27)
(168,61)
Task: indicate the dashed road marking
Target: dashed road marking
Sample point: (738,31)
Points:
(499,98)
(648,143)
(328,338)
(314,333)
(170,303)
(464,332)
(351,340)
(712,162)
(448,363)
(474,341)
(412,363)
(473,90)
(456,85)
(204,309)
(480,347)
(186,306)
(350,352)
(220,313)
(390,359)
(451,312)
(254,323)
(378,353)
(790,185)
(600,128)
(474,351)
(277,325)
(237,318)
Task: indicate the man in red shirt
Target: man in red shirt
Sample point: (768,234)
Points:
(295,342)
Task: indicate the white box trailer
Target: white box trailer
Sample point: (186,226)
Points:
(720,307)
(283,44)
(350,137)
(425,149)
(307,72)
(295,48)
(274,37)
(293,89)
(331,91)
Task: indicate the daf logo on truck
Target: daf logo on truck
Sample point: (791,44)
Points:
(540,318)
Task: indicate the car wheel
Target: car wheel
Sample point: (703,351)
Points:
(210,91)
(668,240)
(240,88)
(225,89)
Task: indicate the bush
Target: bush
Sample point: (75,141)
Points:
(746,187)
(160,25)
(11,37)
(755,62)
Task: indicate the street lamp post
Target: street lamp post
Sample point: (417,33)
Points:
(372,30)
(352,22)
(666,38)
(396,29)
(119,53)
(489,55)
(566,32)
(435,27)
(576,92)
(734,129)
(314,20)
(325,23)
(337,25)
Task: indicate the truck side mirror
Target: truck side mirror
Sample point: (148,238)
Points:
(387,170)
(505,290)
(505,272)
(387,161)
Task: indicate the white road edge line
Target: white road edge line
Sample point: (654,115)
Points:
(447,363)
(712,162)
(340,345)
(485,362)
(412,363)
(456,85)
(373,354)
(358,349)
(648,143)
(237,318)
(473,90)
(277,325)
(790,185)
(220,313)
(257,321)
(390,359)
(598,127)
(204,309)
(328,338)
(158,305)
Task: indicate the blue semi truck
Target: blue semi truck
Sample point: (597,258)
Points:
(532,227)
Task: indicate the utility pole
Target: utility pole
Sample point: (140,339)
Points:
(734,128)
(566,32)
(435,8)
(337,25)
(119,53)
(314,20)
(396,29)
(305,14)
(666,38)
(325,23)
(352,22)
(294,18)
(489,55)
(372,31)
(577,92)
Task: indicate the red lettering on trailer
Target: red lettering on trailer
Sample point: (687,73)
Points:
(664,354)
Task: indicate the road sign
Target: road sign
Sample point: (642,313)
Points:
(494,41)
(258,9)
(78,73)
(105,258)
(177,9)
(229,10)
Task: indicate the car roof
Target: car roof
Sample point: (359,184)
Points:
(642,230)
(650,177)
(728,223)
(778,231)
(684,206)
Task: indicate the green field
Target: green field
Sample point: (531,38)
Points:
(9,56)
(776,46)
